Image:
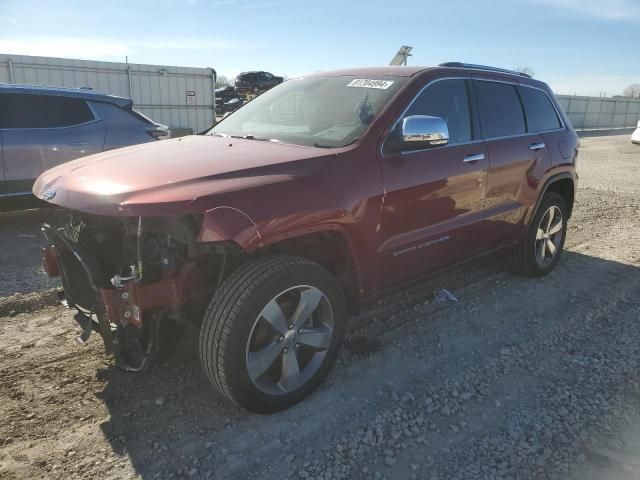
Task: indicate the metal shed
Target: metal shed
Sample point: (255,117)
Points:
(179,97)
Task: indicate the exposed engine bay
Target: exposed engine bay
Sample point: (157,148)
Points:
(127,276)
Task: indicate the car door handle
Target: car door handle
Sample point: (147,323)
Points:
(537,146)
(473,158)
(79,143)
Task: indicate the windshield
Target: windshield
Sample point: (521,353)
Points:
(318,111)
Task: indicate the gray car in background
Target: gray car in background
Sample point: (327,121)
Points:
(41,127)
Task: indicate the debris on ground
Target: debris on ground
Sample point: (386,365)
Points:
(444,295)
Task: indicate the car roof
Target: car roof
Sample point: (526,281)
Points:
(405,71)
(83,93)
(373,72)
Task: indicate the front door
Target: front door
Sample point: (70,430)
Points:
(434,198)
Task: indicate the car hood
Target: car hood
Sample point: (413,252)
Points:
(174,176)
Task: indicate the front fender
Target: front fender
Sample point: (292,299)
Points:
(226,223)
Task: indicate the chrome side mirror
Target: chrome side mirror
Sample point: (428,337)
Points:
(423,131)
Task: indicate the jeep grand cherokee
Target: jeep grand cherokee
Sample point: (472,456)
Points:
(321,194)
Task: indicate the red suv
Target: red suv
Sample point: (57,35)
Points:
(321,194)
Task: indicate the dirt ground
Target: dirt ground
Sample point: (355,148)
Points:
(522,378)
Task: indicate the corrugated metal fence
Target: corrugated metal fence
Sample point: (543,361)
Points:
(183,97)
(180,97)
(597,113)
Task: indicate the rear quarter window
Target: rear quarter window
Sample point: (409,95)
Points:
(114,116)
(541,115)
(500,109)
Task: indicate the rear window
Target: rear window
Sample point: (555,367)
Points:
(43,111)
(541,115)
(500,109)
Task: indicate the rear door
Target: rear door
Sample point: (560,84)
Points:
(42,131)
(544,119)
(434,197)
(516,159)
(123,126)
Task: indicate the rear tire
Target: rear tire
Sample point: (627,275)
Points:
(540,251)
(248,347)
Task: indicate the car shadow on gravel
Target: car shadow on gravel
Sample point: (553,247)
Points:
(172,422)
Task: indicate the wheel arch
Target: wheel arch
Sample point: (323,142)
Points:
(563,184)
(329,247)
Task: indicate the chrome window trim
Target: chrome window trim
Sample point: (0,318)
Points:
(431,149)
(522,135)
(96,118)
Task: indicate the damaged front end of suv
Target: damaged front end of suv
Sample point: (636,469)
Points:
(142,241)
(127,276)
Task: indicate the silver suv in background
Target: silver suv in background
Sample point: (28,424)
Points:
(41,127)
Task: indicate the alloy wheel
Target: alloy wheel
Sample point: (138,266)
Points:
(549,236)
(289,340)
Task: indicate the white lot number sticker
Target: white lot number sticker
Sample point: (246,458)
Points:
(366,83)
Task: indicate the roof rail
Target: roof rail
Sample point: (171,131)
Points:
(483,67)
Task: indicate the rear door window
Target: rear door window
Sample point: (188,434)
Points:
(541,115)
(500,109)
(44,111)
(449,100)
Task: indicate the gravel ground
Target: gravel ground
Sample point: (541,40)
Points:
(20,255)
(522,378)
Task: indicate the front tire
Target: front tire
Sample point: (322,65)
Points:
(540,251)
(273,332)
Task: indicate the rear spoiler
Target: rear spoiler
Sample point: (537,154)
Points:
(125,103)
(121,102)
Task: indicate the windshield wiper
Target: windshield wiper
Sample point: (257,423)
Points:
(318,145)
(250,136)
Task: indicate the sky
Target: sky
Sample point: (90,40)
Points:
(584,47)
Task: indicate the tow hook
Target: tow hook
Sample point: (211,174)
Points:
(86,324)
